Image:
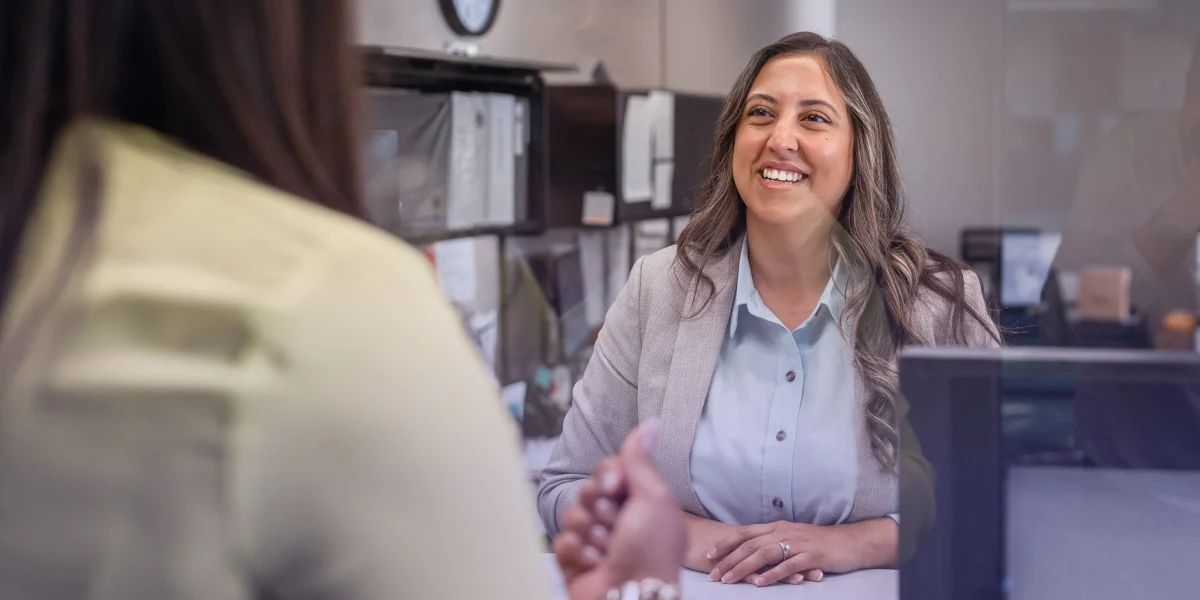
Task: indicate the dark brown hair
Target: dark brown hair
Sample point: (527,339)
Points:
(268,87)
(887,263)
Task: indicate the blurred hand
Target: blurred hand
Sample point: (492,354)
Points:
(626,526)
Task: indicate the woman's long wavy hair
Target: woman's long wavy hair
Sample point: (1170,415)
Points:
(888,265)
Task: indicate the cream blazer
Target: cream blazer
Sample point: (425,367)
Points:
(213,390)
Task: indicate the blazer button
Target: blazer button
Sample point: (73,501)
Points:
(777,503)
(790,376)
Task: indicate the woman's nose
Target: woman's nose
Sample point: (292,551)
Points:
(784,138)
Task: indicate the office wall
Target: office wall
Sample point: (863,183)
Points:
(708,42)
(996,109)
(688,45)
(625,33)
(937,65)
(1070,78)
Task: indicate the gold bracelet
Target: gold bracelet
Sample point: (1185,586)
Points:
(646,589)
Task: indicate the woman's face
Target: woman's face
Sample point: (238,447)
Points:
(793,154)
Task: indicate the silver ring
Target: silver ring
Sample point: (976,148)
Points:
(786,550)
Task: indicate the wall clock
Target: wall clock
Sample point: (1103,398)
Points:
(470,17)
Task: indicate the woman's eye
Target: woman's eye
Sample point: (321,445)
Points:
(758,112)
(816,118)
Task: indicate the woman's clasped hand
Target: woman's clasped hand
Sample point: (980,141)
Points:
(774,553)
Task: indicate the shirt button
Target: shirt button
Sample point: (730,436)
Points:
(790,376)
(777,503)
(782,435)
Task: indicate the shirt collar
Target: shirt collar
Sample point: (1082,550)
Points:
(833,298)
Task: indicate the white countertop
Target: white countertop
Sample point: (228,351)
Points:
(875,585)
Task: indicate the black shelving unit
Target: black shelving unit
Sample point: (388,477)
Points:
(696,117)
(427,72)
(584,134)
(402,70)
(585,126)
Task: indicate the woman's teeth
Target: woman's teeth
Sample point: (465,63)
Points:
(784,176)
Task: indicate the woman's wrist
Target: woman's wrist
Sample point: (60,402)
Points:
(702,535)
(872,544)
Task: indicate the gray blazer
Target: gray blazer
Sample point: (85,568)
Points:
(653,359)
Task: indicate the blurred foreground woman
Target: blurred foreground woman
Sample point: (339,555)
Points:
(215,383)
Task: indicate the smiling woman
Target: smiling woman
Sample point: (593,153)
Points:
(766,340)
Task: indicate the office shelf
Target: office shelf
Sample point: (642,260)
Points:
(585,124)
(391,70)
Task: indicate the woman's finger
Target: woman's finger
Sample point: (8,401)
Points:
(611,477)
(573,555)
(727,545)
(798,578)
(748,559)
(732,541)
(588,492)
(598,536)
(578,520)
(751,577)
(585,523)
(799,564)
(607,481)
(606,512)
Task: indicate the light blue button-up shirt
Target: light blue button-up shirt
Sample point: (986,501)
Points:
(776,441)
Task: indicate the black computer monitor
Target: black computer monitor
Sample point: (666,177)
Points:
(1061,473)
(1025,260)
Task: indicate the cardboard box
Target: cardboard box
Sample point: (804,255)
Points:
(1104,294)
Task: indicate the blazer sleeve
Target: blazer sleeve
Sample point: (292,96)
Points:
(380,462)
(978,335)
(604,405)
(917,476)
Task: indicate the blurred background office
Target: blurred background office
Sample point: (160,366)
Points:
(536,148)
(938,63)
(1019,122)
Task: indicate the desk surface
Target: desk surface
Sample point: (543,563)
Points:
(1146,546)
(876,585)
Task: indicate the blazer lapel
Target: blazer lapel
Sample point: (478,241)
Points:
(694,361)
